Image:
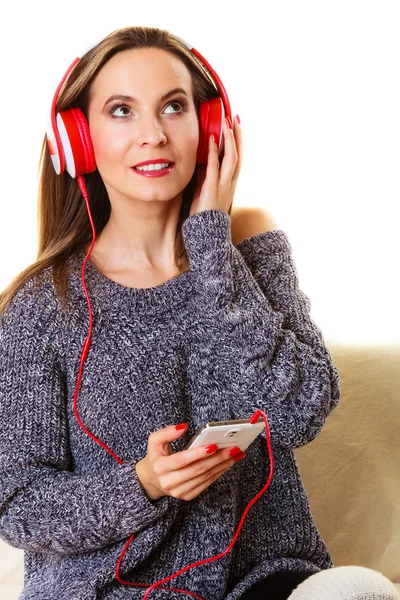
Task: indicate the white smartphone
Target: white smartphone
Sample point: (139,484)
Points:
(227,434)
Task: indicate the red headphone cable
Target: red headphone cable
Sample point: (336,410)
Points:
(254,419)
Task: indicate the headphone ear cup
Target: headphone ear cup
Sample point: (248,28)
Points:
(76,142)
(211,120)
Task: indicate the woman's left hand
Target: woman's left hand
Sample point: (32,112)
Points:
(216,184)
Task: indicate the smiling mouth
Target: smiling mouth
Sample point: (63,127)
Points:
(156,170)
(153,167)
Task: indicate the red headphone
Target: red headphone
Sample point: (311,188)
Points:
(68,135)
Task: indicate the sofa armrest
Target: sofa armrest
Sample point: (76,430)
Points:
(350,471)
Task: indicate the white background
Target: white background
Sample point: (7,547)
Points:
(316,84)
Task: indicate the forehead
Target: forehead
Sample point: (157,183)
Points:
(141,71)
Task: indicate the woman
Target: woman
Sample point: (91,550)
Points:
(97,488)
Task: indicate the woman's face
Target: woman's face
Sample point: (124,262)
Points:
(136,114)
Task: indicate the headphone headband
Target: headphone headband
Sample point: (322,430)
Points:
(212,73)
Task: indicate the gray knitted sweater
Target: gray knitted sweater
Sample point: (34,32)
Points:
(229,336)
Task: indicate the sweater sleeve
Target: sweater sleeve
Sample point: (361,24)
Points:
(269,257)
(257,342)
(44,506)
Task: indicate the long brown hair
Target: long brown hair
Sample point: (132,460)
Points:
(63,224)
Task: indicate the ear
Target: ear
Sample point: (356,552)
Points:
(250,221)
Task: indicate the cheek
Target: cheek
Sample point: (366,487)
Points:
(192,141)
(107,146)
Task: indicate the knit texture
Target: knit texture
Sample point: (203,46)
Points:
(346,583)
(229,336)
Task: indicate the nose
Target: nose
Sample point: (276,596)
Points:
(150,131)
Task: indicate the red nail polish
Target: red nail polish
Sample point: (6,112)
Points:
(239,456)
(238,119)
(228,120)
(211,448)
(234,451)
(181,426)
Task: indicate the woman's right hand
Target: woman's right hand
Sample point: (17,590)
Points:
(182,474)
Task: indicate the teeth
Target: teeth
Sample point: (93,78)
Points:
(155,167)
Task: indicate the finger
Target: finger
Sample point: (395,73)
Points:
(187,464)
(212,172)
(159,440)
(206,194)
(183,459)
(191,489)
(174,477)
(194,486)
(237,129)
(229,162)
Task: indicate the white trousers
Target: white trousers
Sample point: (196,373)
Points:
(346,583)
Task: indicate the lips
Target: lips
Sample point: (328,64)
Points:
(154,172)
(153,161)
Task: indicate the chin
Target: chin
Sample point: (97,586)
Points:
(149,192)
(151,196)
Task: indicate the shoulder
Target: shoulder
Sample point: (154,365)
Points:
(36,298)
(249,221)
(32,327)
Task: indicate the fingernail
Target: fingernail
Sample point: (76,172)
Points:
(213,138)
(228,120)
(238,119)
(239,456)
(181,426)
(211,448)
(234,451)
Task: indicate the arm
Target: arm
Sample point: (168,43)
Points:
(261,353)
(44,506)
(268,255)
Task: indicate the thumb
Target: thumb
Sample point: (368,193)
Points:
(159,440)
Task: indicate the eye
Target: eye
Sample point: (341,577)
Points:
(180,105)
(122,108)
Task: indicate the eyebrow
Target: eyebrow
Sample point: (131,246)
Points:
(133,100)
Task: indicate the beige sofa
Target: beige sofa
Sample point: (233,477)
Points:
(351,471)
